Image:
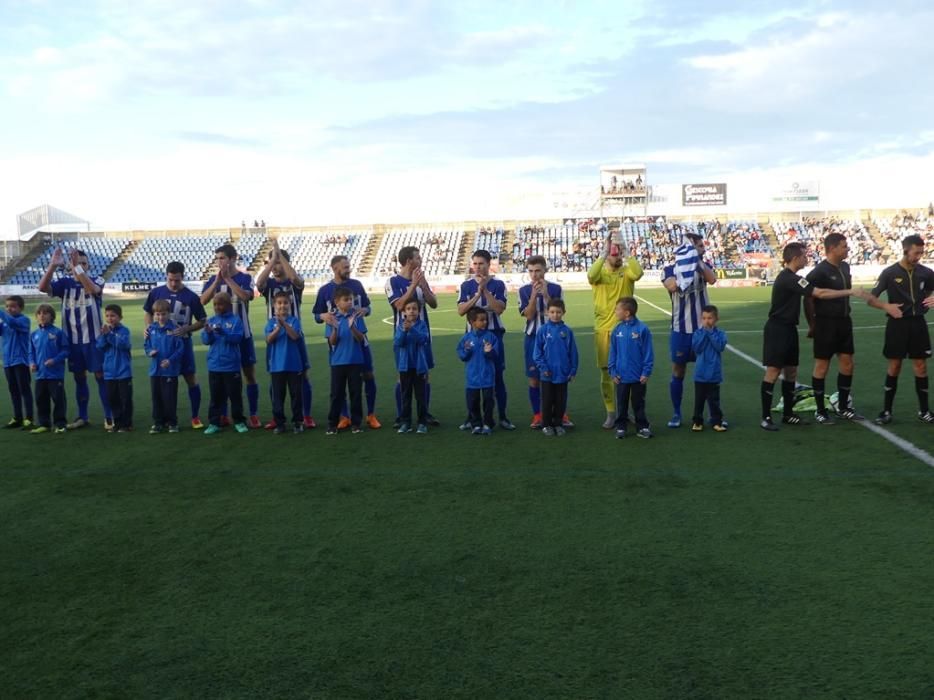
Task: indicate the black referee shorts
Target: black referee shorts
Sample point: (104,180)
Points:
(907,337)
(833,335)
(779,345)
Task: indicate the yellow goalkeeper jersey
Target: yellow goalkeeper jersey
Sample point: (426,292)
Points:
(608,287)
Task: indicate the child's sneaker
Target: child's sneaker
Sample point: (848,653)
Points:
(432,421)
(465,426)
(38,431)
(487,430)
(253,422)
(155,430)
(298,428)
(506,424)
(536,421)
(330,431)
(719,427)
(560,431)
(696,427)
(279,430)
(28,425)
(548,431)
(620,433)
(212,429)
(196,424)
(309,422)
(404,427)
(173,429)
(271,425)
(422,429)
(356,429)
(644,433)
(61,430)
(242,427)
(675,421)
(13,424)
(477,430)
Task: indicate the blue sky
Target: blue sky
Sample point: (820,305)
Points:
(197,114)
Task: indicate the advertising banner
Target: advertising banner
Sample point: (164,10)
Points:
(707,195)
(800,191)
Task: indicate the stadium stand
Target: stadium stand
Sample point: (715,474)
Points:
(439,250)
(901,225)
(811,232)
(311,252)
(490,240)
(100,251)
(147,263)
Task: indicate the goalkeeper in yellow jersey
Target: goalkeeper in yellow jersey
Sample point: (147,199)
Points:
(611,277)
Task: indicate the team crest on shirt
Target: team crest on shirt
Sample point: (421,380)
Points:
(562,334)
(803,283)
(634,335)
(899,280)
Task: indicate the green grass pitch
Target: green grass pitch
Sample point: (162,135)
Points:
(743,564)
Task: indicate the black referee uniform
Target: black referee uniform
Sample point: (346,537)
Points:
(907,336)
(780,336)
(833,327)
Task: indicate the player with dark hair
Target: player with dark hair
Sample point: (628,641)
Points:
(187,315)
(909,286)
(780,336)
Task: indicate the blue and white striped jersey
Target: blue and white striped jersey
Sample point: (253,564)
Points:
(183,305)
(497,288)
(686,306)
(396,287)
(81,312)
(525,294)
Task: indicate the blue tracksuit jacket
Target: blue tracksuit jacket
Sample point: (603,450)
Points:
(48,343)
(118,364)
(555,353)
(15,339)
(285,354)
(708,346)
(169,347)
(410,347)
(224,351)
(631,354)
(480,366)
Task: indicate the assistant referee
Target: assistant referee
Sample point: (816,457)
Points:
(910,289)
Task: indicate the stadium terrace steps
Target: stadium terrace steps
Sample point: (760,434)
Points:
(874,233)
(118,261)
(468,246)
(369,255)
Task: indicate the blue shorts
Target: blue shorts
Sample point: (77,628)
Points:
(85,358)
(187,364)
(680,346)
(531,371)
(247,352)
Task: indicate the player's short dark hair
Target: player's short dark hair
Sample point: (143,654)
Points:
(557,303)
(116,308)
(481,253)
(17,299)
(338,258)
(537,260)
(46,308)
(474,313)
(283,294)
(833,239)
(341,293)
(792,251)
(160,305)
(406,253)
(629,303)
(912,240)
(711,309)
(175,268)
(415,301)
(226,250)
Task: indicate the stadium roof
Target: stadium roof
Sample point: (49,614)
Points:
(49,219)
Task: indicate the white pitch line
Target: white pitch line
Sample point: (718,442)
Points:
(902,443)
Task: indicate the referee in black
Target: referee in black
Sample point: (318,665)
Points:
(780,337)
(910,289)
(831,326)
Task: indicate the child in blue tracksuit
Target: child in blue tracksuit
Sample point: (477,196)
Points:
(346,341)
(708,343)
(479,349)
(166,350)
(410,342)
(48,350)
(630,366)
(286,362)
(555,357)
(223,333)
(15,326)
(114,340)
